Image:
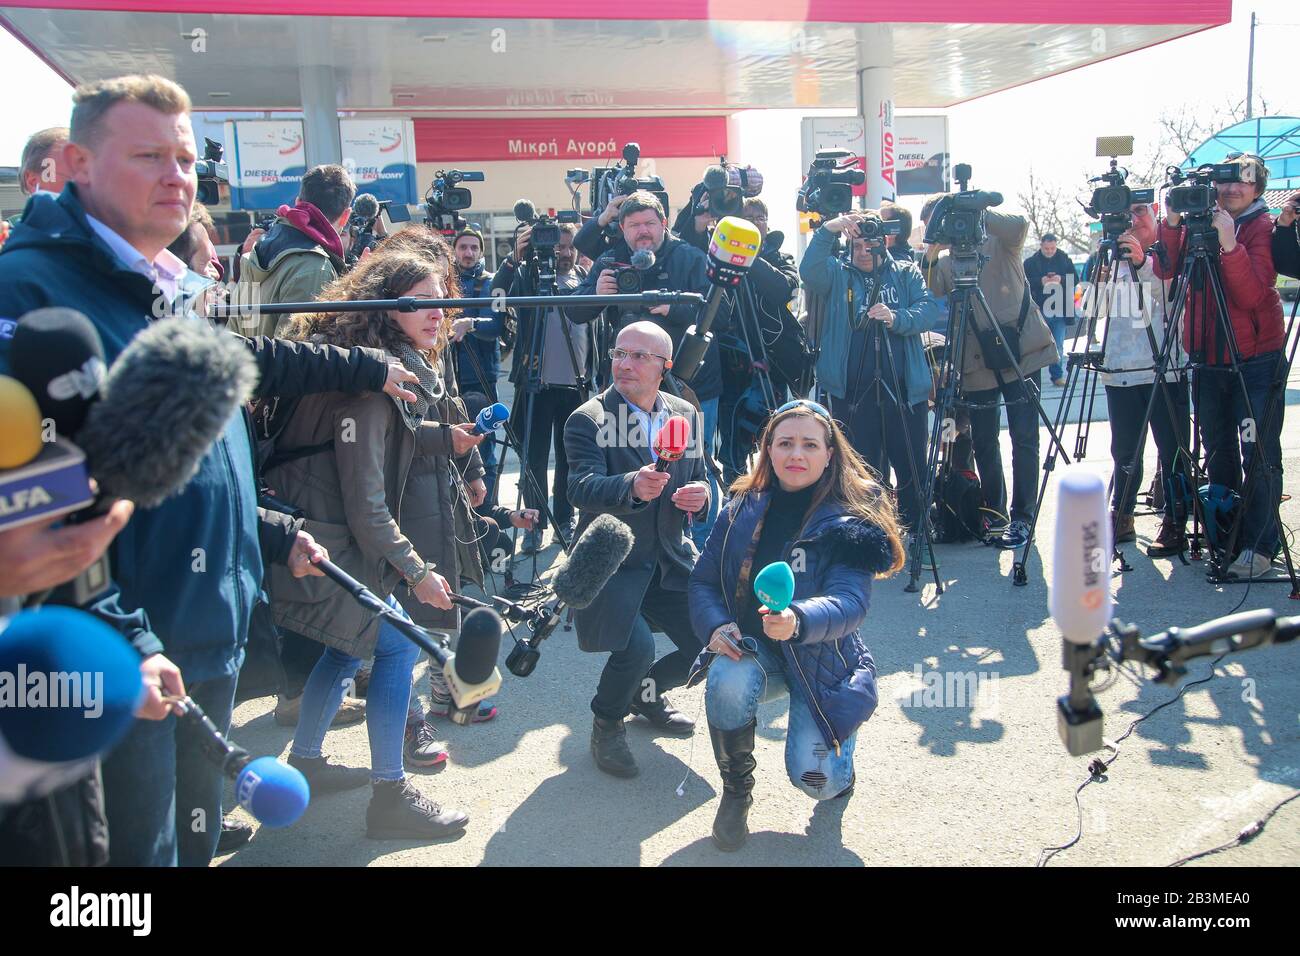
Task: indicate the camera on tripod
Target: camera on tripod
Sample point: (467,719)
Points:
(958,218)
(211,173)
(726,187)
(445,199)
(366,210)
(827,189)
(1112,203)
(1193,194)
(546,228)
(621,179)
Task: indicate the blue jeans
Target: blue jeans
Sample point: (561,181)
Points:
(1058,327)
(487,451)
(162,795)
(700,529)
(731,698)
(1222,414)
(390,691)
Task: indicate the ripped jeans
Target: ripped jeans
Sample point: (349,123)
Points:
(731,699)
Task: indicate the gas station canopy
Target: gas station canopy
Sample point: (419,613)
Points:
(568,56)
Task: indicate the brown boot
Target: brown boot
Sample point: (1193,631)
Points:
(1124,529)
(1171,540)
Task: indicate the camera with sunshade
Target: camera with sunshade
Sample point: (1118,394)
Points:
(211,173)
(1112,203)
(446,199)
(621,179)
(726,187)
(546,228)
(958,218)
(827,190)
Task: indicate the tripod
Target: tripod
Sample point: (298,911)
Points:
(964,302)
(1199,269)
(734,418)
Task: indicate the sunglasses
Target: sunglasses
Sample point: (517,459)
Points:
(805,403)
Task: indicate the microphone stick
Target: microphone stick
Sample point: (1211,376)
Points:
(372,602)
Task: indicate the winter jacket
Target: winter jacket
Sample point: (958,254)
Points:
(842,288)
(1249,285)
(1135,328)
(841,553)
(1002,280)
(600,439)
(678,267)
(482,340)
(286,265)
(1038,265)
(1286,250)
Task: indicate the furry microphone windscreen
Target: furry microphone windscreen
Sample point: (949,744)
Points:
(166,399)
(478,645)
(603,547)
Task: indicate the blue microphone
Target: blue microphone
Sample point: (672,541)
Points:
(69,688)
(491,418)
(274,793)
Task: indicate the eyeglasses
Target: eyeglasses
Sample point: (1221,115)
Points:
(639,357)
(806,403)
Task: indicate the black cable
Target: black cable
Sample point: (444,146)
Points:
(1245,836)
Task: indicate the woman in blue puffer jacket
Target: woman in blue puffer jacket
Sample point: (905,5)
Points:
(811,501)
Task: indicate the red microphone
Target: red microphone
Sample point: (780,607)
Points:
(671,442)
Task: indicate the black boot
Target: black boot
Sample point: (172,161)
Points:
(398,811)
(663,715)
(609,747)
(734,750)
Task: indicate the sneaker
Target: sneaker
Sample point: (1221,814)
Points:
(1015,536)
(233,835)
(351,711)
(326,777)
(1249,564)
(421,748)
(398,811)
(485,711)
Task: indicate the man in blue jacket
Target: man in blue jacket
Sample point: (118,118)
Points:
(187,573)
(871,363)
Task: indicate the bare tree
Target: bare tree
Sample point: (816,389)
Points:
(1053,207)
(1181,130)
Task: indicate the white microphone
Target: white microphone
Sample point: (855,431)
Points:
(1079,592)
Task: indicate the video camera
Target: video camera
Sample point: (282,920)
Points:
(827,190)
(958,218)
(1112,202)
(211,172)
(726,187)
(618,180)
(445,200)
(546,229)
(1193,194)
(366,210)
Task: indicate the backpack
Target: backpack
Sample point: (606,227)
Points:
(958,501)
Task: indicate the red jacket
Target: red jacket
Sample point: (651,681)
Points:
(1249,286)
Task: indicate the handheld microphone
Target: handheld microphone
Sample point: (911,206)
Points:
(774,586)
(20,424)
(597,554)
(57,353)
(69,688)
(732,250)
(671,442)
(274,793)
(1080,599)
(491,418)
(471,673)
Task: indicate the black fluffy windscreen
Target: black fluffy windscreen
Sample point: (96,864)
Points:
(166,399)
(603,547)
(478,645)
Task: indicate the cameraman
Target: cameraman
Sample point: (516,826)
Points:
(899,246)
(1245,238)
(1006,290)
(564,366)
(476,351)
(300,254)
(884,430)
(1286,248)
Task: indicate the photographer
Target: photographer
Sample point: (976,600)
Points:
(300,254)
(564,364)
(1286,248)
(1245,239)
(987,380)
(1049,267)
(1135,333)
(474,334)
(878,389)
(899,246)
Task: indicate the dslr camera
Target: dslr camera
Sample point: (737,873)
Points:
(445,199)
(827,189)
(958,218)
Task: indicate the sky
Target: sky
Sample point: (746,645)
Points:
(1049,125)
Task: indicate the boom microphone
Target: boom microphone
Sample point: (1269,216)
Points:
(525,211)
(642,260)
(596,555)
(365,206)
(274,793)
(57,353)
(491,418)
(471,673)
(671,442)
(715,179)
(69,688)
(165,400)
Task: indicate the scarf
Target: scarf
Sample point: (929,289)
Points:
(428,389)
(311,222)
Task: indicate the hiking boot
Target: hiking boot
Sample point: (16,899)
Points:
(734,752)
(609,747)
(398,811)
(1123,527)
(326,777)
(662,715)
(1171,540)
(421,747)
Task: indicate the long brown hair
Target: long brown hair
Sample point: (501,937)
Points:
(847,480)
(386,273)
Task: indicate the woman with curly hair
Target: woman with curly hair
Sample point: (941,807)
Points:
(345,462)
(811,501)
